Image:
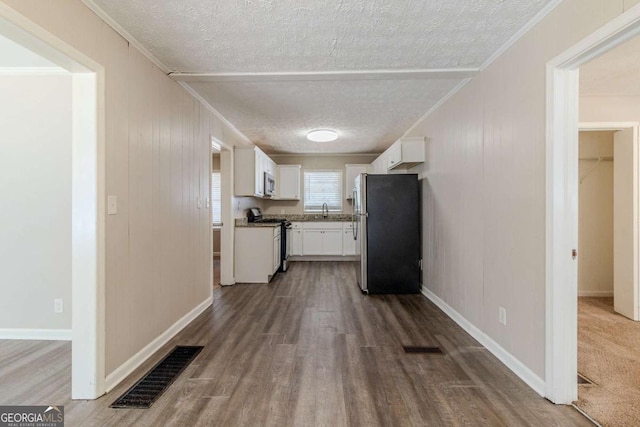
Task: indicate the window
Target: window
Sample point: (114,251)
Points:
(322,186)
(216,199)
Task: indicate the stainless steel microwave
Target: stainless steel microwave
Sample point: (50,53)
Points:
(269,185)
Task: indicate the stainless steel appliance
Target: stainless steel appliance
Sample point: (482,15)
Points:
(255,215)
(386,227)
(269,185)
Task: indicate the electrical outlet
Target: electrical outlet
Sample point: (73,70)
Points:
(112,205)
(281,211)
(58,305)
(502,315)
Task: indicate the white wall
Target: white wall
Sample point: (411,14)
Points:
(609,108)
(158,246)
(484,186)
(309,162)
(35,195)
(595,236)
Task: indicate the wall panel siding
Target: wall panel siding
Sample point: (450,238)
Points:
(484,185)
(157,146)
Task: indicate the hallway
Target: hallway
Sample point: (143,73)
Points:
(306,349)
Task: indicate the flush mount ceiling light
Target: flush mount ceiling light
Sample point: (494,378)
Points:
(322,135)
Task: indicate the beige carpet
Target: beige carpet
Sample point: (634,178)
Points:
(609,355)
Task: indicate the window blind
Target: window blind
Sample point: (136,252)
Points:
(216,199)
(322,186)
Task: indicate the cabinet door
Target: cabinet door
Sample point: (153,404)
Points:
(395,156)
(352,172)
(296,242)
(276,253)
(348,243)
(312,242)
(259,173)
(289,182)
(332,242)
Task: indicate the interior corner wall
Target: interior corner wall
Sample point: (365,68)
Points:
(484,187)
(158,246)
(35,194)
(595,235)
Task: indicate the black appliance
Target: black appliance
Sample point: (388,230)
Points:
(255,215)
(386,227)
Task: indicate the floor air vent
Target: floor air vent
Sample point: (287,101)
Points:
(421,350)
(146,391)
(584,380)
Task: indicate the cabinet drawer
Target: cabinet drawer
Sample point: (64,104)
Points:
(322,226)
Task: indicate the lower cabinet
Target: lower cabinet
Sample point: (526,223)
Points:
(322,238)
(257,253)
(348,242)
(296,238)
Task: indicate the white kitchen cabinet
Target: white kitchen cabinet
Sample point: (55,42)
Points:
(322,238)
(256,253)
(348,243)
(379,165)
(405,153)
(276,251)
(288,182)
(250,164)
(352,171)
(296,238)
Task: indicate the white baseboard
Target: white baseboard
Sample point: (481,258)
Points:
(36,334)
(517,367)
(595,293)
(124,370)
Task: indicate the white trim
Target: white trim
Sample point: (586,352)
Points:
(32,71)
(36,334)
(561,201)
(447,73)
(510,361)
(523,30)
(216,113)
(88,191)
(323,154)
(601,294)
(604,126)
(124,370)
(125,34)
(436,106)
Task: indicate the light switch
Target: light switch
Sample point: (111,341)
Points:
(206,203)
(112,205)
(199,202)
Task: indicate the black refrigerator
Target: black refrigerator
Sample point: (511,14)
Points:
(386,227)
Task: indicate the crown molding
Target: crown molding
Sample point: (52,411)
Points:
(447,74)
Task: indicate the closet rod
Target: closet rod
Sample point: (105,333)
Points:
(598,159)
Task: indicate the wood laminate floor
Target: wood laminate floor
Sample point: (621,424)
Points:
(307,349)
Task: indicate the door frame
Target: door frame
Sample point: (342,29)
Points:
(561,279)
(226,206)
(88,199)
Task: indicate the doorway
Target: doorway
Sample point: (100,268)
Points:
(562,202)
(87,196)
(222,233)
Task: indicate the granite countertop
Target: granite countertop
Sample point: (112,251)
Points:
(257,224)
(242,222)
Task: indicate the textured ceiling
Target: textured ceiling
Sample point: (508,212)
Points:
(284,36)
(368,114)
(617,72)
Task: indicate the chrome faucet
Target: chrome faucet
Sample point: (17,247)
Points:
(325,210)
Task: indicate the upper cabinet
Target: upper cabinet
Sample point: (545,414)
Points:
(250,165)
(288,182)
(405,153)
(352,171)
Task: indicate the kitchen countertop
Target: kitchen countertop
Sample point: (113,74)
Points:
(242,222)
(257,224)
